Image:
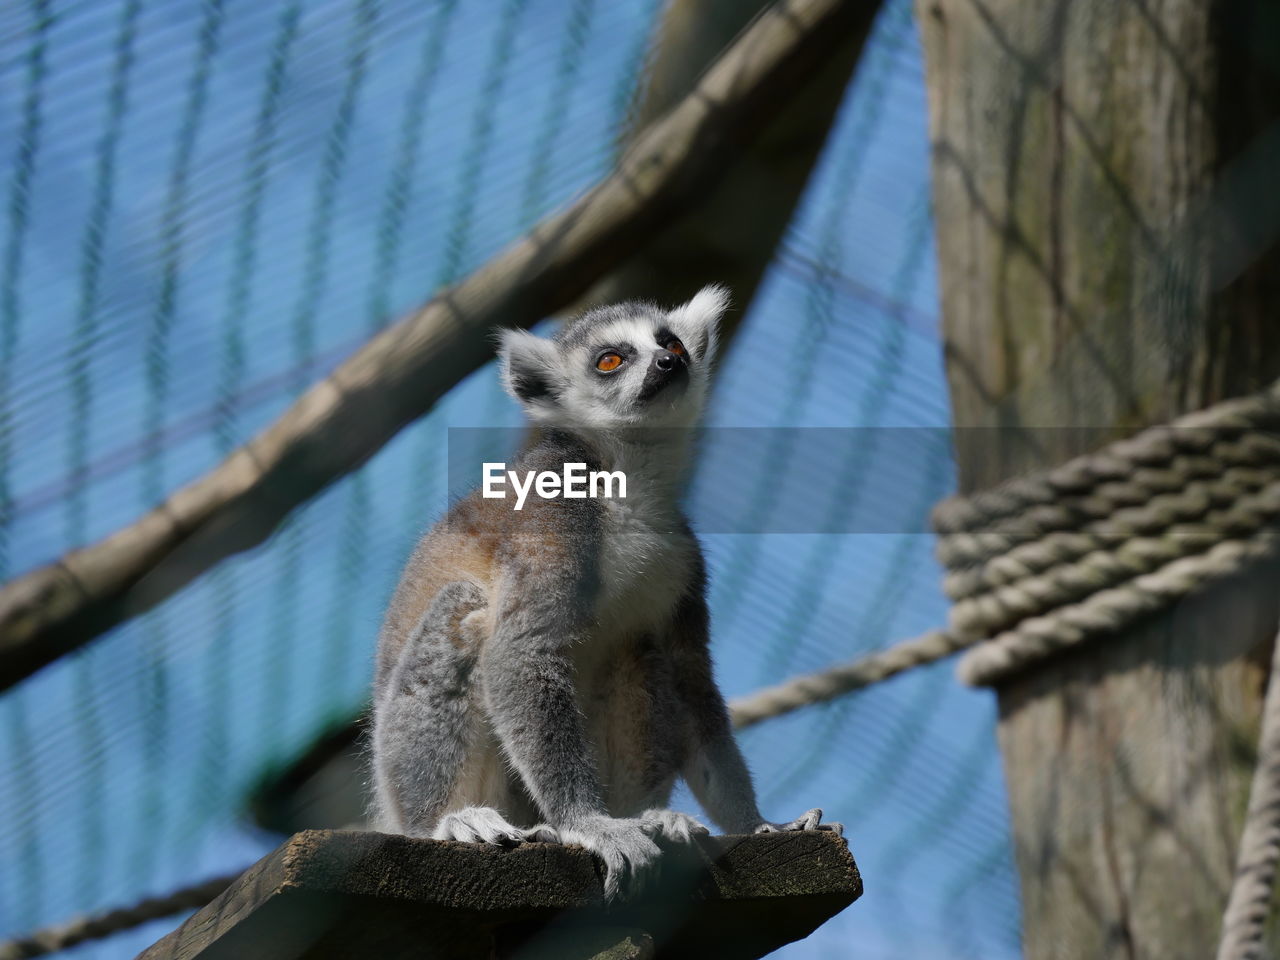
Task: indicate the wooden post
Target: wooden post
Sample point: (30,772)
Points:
(1105,194)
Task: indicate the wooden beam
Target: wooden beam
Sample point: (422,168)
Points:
(334,893)
(1106,218)
(730,232)
(347,417)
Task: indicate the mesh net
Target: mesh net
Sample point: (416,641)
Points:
(207,205)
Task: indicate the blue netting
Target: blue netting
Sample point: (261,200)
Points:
(204,206)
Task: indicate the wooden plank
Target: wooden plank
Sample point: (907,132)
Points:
(1104,194)
(333,893)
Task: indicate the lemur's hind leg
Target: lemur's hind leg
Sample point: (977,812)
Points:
(421,730)
(421,717)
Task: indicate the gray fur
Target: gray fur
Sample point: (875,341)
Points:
(545,674)
(424,701)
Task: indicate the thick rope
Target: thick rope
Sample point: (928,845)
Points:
(961,549)
(1156,447)
(828,684)
(1046,562)
(95,927)
(1109,611)
(1154,517)
(1244,923)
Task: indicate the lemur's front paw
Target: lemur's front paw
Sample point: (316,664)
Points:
(810,820)
(673,825)
(623,844)
(486,825)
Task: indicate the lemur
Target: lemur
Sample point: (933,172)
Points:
(543,675)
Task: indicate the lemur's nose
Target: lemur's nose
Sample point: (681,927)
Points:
(665,360)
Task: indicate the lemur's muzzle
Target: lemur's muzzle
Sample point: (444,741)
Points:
(666,370)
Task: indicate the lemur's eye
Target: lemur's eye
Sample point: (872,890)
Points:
(608,361)
(676,347)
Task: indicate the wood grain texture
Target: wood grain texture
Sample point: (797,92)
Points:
(333,893)
(1128,772)
(1107,218)
(1106,222)
(347,417)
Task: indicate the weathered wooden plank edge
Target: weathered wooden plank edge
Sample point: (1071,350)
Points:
(479,879)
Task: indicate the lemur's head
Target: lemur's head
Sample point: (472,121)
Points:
(630,364)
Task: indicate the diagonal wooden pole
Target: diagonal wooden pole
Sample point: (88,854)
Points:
(732,231)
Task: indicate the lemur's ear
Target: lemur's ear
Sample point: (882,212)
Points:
(697,322)
(530,370)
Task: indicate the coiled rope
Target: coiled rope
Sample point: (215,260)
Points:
(1046,562)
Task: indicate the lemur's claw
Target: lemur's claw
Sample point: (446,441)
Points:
(809,820)
(625,848)
(672,825)
(486,825)
(542,833)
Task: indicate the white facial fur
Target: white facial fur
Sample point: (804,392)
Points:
(557,382)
